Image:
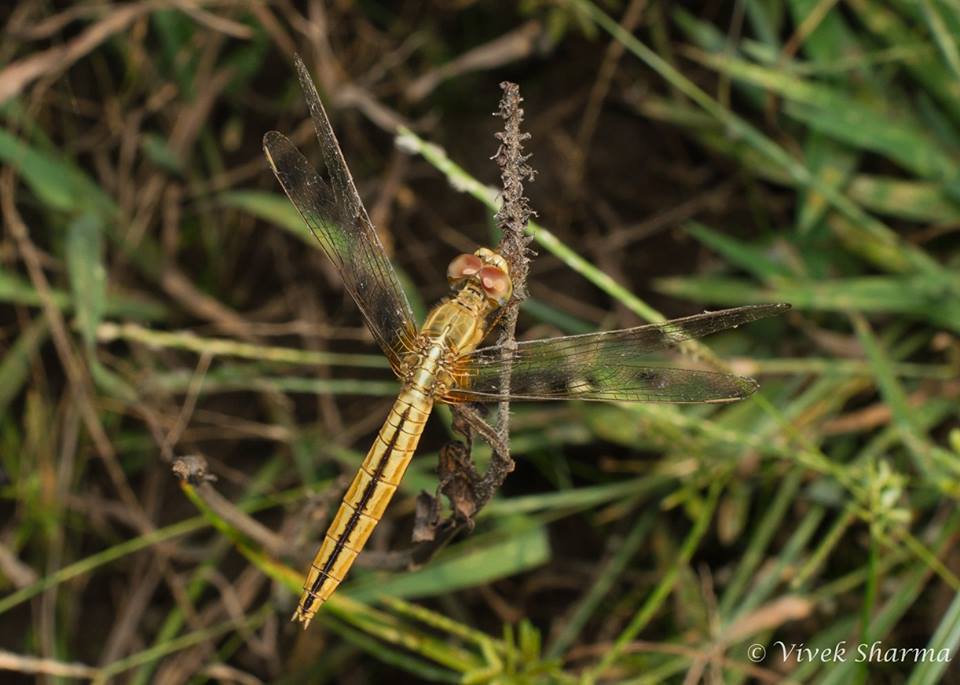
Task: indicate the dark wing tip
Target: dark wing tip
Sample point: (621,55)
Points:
(738,388)
(271,138)
(735,388)
(762,311)
(748,386)
(300,65)
(309,87)
(281,154)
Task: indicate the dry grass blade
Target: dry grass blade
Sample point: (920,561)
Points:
(49,667)
(506,49)
(15,77)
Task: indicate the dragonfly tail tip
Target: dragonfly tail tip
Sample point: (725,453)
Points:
(300,616)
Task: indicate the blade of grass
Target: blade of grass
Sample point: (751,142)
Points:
(942,35)
(663,588)
(761,538)
(825,38)
(389,629)
(88,277)
(943,642)
(887,26)
(934,462)
(15,290)
(423,670)
(468,566)
(237,378)
(881,294)
(763,587)
(601,585)
(896,197)
(907,199)
(15,368)
(908,588)
(127,547)
(248,623)
(227,347)
(827,544)
(897,255)
(55,181)
(850,119)
(754,260)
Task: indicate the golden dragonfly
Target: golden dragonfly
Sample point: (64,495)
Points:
(440,360)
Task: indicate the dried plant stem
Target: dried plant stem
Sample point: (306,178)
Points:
(19,663)
(514,247)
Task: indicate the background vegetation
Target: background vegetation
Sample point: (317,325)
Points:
(160,299)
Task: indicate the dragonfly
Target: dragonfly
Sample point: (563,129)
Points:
(442,361)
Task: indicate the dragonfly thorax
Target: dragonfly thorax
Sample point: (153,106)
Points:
(460,323)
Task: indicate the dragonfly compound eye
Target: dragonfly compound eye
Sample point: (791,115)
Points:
(496,284)
(463,266)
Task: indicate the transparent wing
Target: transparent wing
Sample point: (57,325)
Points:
(338,219)
(605,366)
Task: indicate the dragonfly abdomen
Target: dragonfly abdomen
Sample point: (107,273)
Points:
(366,499)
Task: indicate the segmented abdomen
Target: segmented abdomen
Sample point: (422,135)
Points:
(366,499)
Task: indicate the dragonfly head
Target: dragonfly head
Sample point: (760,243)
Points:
(485,268)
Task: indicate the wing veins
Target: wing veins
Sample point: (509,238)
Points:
(607,365)
(338,220)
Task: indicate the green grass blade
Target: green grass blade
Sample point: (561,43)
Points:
(468,568)
(943,645)
(16,364)
(588,604)
(88,278)
(663,589)
(870,231)
(54,180)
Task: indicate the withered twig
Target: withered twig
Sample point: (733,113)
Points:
(415,555)
(20,663)
(511,47)
(468,418)
(193,469)
(19,573)
(514,247)
(16,76)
